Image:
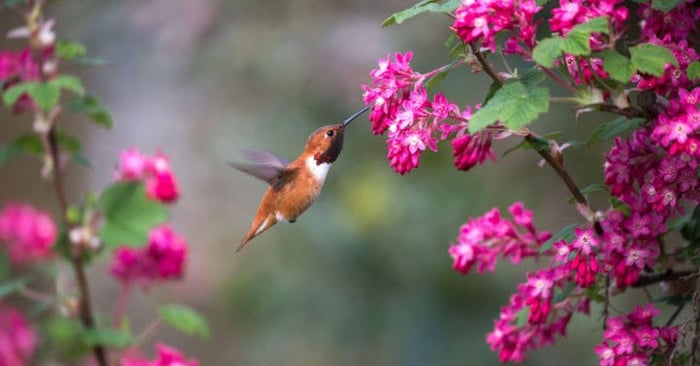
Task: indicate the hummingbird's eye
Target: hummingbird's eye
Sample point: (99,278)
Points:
(330,133)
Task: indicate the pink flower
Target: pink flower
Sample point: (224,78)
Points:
(167,356)
(163,258)
(29,234)
(17,339)
(470,150)
(161,184)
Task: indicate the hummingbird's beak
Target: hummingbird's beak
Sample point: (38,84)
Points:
(357,114)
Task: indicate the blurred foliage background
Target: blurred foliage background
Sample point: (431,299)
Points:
(363,278)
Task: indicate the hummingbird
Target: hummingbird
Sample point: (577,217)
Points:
(293,186)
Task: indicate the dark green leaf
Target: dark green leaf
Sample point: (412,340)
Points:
(129,214)
(541,2)
(561,295)
(65,335)
(93,108)
(12,286)
(423,6)
(651,59)
(69,50)
(576,42)
(665,5)
(620,206)
(184,319)
(619,67)
(693,70)
(595,187)
(594,294)
(514,105)
(566,233)
(28,144)
(611,129)
(107,337)
(521,317)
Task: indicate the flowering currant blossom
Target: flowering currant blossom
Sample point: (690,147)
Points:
(632,339)
(163,258)
(480,21)
(28,234)
(483,239)
(17,339)
(413,122)
(167,356)
(155,171)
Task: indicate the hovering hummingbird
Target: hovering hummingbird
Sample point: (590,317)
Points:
(293,186)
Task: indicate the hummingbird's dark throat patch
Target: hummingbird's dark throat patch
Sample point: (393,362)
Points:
(332,153)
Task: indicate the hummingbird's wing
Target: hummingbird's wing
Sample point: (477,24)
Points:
(266,166)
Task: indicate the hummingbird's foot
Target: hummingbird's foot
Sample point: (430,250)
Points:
(292,221)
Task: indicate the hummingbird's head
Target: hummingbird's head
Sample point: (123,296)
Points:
(326,143)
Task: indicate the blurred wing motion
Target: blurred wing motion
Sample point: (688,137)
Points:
(266,166)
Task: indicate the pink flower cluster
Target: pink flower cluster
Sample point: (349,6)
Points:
(401,107)
(482,20)
(163,258)
(579,256)
(28,234)
(167,356)
(18,340)
(632,339)
(670,30)
(653,173)
(534,315)
(155,171)
(483,239)
(17,67)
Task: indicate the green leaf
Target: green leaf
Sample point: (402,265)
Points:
(566,233)
(28,144)
(93,108)
(45,95)
(595,187)
(107,337)
(184,319)
(561,295)
(576,42)
(513,104)
(548,50)
(594,294)
(611,129)
(521,317)
(665,5)
(618,66)
(68,82)
(693,70)
(65,335)
(129,214)
(11,95)
(69,50)
(421,7)
(651,59)
(9,287)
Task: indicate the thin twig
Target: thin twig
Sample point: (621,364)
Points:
(675,314)
(606,303)
(559,80)
(488,68)
(669,275)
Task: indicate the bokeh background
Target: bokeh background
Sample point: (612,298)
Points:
(363,278)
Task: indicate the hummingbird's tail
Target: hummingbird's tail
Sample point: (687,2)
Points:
(260,224)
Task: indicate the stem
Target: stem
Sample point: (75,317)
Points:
(85,308)
(670,275)
(146,332)
(121,305)
(488,68)
(559,80)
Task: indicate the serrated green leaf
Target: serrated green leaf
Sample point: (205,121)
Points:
(521,317)
(693,70)
(618,66)
(651,59)
(576,42)
(532,77)
(129,214)
(106,337)
(611,129)
(421,7)
(93,108)
(548,50)
(68,82)
(184,319)
(513,104)
(69,50)
(566,233)
(665,5)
